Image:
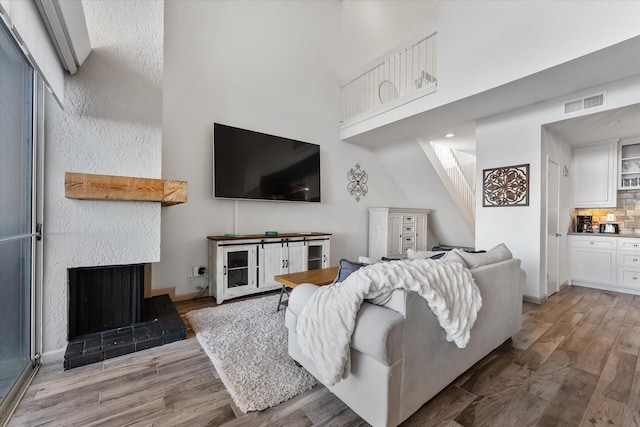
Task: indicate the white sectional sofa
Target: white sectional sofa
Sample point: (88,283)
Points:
(399,355)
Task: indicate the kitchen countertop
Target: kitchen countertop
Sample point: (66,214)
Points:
(577,233)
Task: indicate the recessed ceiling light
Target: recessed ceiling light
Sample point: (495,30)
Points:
(450,135)
(613,123)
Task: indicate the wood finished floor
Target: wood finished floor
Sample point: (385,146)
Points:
(575,363)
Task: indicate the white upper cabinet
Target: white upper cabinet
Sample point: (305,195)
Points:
(594,175)
(629,165)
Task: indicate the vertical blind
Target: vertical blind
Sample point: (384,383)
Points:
(26,25)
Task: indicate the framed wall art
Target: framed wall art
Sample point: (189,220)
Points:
(505,186)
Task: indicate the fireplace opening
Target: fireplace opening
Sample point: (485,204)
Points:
(104,298)
(109,316)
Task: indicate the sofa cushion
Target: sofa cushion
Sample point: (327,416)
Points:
(454,256)
(378,333)
(497,253)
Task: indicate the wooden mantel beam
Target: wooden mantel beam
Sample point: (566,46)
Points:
(108,187)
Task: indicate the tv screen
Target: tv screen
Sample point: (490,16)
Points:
(254,165)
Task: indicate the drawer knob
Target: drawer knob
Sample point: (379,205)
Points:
(635,278)
(635,260)
(635,245)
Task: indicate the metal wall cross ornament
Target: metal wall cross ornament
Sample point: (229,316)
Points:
(507,186)
(357,186)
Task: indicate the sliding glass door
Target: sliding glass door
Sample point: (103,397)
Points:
(17,228)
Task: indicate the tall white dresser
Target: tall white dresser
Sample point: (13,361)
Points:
(394,230)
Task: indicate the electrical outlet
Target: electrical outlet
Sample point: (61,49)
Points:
(611,217)
(199,270)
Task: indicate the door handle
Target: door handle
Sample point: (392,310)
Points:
(558,235)
(224,270)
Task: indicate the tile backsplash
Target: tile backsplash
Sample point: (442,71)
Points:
(627,212)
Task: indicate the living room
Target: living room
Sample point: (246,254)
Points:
(161,73)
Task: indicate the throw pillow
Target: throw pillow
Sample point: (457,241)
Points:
(346,268)
(497,253)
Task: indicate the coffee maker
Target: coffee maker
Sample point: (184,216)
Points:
(583,224)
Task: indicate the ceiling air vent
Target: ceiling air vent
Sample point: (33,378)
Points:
(584,103)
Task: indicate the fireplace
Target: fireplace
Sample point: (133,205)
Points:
(104,298)
(109,316)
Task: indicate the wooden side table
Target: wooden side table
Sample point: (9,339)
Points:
(320,277)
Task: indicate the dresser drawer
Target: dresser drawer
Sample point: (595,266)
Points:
(408,230)
(632,245)
(593,242)
(408,219)
(629,259)
(408,241)
(629,278)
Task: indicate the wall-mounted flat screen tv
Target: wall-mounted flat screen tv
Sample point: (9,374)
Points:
(254,165)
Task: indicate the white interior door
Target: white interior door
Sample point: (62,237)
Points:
(553,227)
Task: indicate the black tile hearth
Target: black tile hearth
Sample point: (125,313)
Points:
(162,325)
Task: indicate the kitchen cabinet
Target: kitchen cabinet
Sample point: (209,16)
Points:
(593,259)
(629,263)
(594,175)
(246,265)
(392,231)
(605,262)
(629,164)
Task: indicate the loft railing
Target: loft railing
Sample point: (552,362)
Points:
(453,170)
(406,73)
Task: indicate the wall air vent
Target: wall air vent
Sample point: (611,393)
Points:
(584,103)
(573,106)
(594,101)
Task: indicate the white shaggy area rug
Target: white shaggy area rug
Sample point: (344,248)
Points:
(247,343)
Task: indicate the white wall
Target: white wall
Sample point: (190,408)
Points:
(111,125)
(272,67)
(514,138)
(483,45)
(371,28)
(410,169)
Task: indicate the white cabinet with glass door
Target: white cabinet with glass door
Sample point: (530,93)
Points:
(317,254)
(629,164)
(238,275)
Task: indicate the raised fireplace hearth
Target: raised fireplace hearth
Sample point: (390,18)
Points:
(109,316)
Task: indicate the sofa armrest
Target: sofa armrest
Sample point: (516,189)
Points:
(299,297)
(378,331)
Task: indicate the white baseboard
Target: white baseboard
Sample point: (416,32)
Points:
(607,287)
(534,300)
(55,356)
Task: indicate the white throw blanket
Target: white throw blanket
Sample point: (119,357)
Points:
(327,321)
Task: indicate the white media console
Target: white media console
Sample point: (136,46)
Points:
(246,264)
